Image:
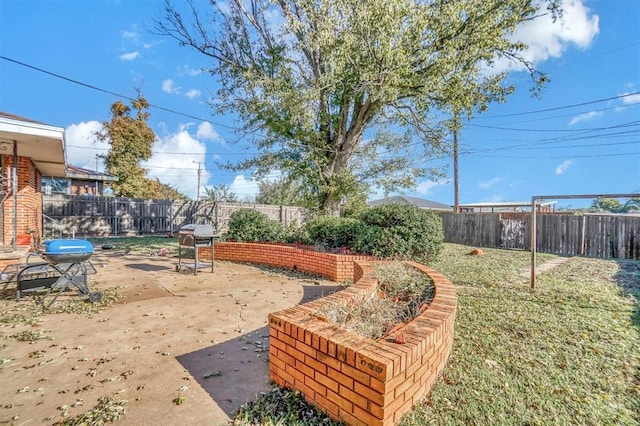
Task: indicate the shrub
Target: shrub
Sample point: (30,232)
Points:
(332,232)
(400,231)
(295,234)
(248,225)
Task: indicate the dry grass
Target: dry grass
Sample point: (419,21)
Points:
(402,292)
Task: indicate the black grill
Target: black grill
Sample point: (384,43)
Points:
(192,237)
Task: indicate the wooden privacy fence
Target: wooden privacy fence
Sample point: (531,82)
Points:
(102,216)
(592,235)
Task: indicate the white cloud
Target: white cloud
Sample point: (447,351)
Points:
(187,70)
(179,171)
(587,116)
(563,167)
(82,145)
(630,98)
(424,188)
(152,44)
(548,39)
(206,131)
(488,183)
(193,93)
(129,56)
(169,87)
(246,190)
(130,34)
(132,38)
(167,163)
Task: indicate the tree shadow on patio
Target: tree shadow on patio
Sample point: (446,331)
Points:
(236,371)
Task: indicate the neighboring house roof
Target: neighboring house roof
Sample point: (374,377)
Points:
(418,202)
(75,172)
(43,143)
(18,118)
(503,206)
(509,204)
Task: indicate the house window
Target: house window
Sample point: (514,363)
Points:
(52,185)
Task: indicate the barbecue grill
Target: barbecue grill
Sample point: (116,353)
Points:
(67,265)
(192,237)
(66,251)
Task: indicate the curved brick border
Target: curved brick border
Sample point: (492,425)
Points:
(333,266)
(353,379)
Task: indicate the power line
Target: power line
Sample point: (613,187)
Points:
(109,92)
(560,107)
(172,111)
(514,129)
(556,157)
(554,147)
(560,140)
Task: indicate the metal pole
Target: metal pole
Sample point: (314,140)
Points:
(14,182)
(198,190)
(533,243)
(456,183)
(199,173)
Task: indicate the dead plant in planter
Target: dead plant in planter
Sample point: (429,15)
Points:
(403,293)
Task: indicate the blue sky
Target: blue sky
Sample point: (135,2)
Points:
(582,136)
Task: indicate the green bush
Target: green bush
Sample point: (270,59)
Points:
(248,225)
(295,234)
(400,231)
(332,232)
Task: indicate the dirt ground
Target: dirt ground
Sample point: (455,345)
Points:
(179,348)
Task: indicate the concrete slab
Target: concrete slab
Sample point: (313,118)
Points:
(201,338)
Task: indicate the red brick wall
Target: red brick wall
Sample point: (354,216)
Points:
(29,206)
(333,266)
(353,379)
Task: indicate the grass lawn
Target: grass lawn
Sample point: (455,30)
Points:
(567,354)
(143,245)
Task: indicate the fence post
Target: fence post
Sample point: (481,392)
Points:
(584,225)
(171,218)
(533,243)
(115,215)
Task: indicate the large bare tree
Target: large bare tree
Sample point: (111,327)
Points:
(309,77)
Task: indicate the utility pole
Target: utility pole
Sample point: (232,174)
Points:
(199,173)
(456,187)
(99,157)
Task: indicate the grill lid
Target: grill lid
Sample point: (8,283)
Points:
(197,230)
(64,247)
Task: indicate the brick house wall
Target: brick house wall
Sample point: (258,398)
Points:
(29,207)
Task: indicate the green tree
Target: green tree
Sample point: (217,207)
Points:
(281,192)
(131,141)
(632,204)
(219,194)
(161,190)
(612,205)
(312,75)
(354,205)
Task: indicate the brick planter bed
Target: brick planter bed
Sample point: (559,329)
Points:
(357,380)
